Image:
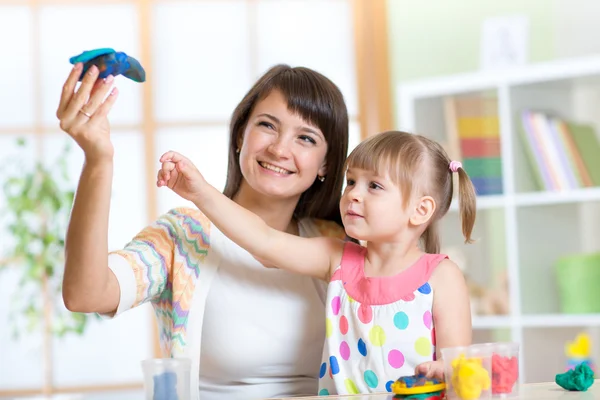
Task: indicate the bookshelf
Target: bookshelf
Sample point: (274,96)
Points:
(523,228)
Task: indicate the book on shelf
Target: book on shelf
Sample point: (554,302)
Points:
(563,155)
(473,132)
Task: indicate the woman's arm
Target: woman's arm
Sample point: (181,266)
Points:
(88,284)
(307,256)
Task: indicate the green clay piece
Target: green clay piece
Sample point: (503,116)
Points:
(578,379)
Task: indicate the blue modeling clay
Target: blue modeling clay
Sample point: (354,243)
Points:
(165,386)
(110,62)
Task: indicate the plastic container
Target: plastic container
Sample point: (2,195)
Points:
(578,278)
(505,370)
(167,378)
(468,372)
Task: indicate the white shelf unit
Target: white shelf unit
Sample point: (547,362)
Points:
(531,228)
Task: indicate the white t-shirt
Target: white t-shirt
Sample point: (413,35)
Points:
(263,330)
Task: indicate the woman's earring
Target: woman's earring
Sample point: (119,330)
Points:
(237,150)
(322,178)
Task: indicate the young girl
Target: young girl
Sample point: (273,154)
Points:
(392,304)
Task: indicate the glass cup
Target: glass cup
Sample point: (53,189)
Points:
(468,372)
(167,378)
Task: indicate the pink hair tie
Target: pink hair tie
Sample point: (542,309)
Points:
(455,165)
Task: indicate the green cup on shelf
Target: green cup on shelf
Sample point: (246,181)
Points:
(578,281)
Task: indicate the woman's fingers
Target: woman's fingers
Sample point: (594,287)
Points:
(82,95)
(105,107)
(99,84)
(68,89)
(99,91)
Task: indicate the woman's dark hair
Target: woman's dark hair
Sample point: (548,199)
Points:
(318,101)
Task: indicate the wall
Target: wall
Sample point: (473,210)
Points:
(427,40)
(576,28)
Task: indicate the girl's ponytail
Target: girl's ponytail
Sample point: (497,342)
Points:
(466,203)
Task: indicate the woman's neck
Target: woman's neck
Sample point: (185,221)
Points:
(388,259)
(277,213)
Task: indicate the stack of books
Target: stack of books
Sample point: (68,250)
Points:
(473,131)
(563,155)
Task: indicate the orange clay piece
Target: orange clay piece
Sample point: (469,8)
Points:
(469,378)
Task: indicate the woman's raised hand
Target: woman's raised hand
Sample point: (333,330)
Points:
(180,175)
(83,114)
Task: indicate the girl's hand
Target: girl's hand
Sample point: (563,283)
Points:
(83,114)
(431,369)
(180,175)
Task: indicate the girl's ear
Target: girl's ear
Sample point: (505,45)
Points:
(423,211)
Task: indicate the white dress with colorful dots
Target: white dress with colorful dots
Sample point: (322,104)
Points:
(377,329)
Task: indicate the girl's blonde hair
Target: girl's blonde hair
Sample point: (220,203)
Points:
(418,165)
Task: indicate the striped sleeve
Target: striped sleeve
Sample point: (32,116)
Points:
(143,266)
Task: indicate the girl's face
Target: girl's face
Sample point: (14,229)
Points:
(372,207)
(281,155)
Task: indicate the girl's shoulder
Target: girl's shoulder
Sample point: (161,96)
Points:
(444,268)
(313,227)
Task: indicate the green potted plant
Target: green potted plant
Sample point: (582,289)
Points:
(37,204)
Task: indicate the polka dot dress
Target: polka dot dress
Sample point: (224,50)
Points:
(377,329)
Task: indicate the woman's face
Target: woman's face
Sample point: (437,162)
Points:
(281,155)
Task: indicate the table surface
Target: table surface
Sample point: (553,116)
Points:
(532,391)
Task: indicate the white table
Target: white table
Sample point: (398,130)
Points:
(532,391)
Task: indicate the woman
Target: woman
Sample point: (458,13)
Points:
(250,331)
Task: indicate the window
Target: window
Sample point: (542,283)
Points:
(202,56)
